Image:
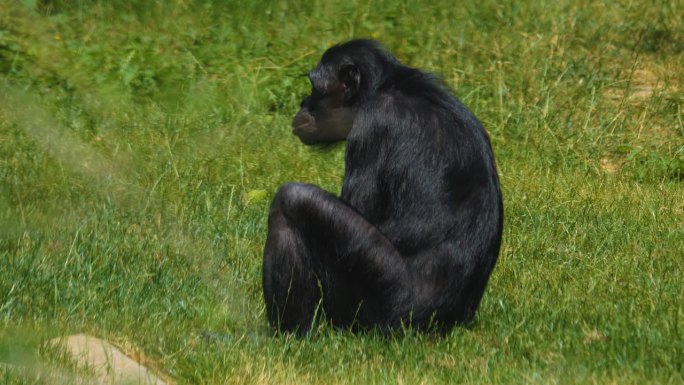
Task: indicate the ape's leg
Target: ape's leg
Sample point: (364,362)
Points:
(318,245)
(288,279)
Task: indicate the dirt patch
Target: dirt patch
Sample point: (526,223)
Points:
(109,364)
(637,87)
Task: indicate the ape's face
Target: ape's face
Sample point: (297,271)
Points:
(328,113)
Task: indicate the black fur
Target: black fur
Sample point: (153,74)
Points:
(416,231)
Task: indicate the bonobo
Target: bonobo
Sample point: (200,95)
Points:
(415,233)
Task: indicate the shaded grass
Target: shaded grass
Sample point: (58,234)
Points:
(141,144)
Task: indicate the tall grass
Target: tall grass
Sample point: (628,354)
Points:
(141,144)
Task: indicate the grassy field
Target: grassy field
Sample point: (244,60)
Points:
(140,146)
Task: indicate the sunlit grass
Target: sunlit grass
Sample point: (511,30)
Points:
(141,144)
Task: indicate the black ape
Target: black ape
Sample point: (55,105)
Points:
(416,231)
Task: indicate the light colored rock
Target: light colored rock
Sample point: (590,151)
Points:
(109,363)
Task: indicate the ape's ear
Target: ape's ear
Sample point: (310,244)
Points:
(350,77)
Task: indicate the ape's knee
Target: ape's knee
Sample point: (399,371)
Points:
(292,195)
(291,191)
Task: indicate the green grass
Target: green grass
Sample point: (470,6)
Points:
(140,146)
